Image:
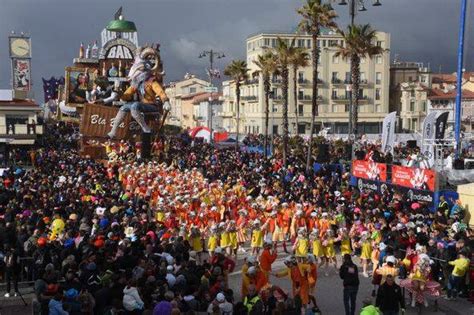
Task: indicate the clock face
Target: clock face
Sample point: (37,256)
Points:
(20,47)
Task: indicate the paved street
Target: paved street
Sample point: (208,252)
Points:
(329,292)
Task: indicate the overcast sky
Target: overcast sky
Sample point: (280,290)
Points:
(421,30)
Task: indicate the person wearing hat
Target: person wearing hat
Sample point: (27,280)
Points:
(267,258)
(388,268)
(220,305)
(298,274)
(257,237)
(301,246)
(366,252)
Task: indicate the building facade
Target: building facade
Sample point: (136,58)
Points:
(413,105)
(203,104)
(180,91)
(444,100)
(334,88)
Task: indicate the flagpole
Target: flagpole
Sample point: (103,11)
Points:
(457,112)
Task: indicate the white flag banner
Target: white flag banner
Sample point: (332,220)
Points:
(388,132)
(429,133)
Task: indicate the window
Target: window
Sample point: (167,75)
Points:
(324,43)
(300,110)
(332,43)
(348,95)
(348,77)
(363,79)
(273,42)
(423,106)
(275,129)
(412,106)
(319,60)
(266,42)
(301,128)
(379,43)
(378,108)
(192,90)
(275,92)
(378,78)
(334,94)
(335,59)
(377,94)
(378,60)
(300,42)
(308,43)
(361,93)
(334,76)
(301,75)
(300,94)
(412,93)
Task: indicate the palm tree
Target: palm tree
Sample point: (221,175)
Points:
(315,15)
(268,65)
(360,42)
(284,50)
(299,59)
(237,70)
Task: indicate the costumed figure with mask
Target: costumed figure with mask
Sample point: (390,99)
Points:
(145,92)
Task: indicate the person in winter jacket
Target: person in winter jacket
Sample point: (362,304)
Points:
(132,301)
(350,276)
(389,297)
(56,305)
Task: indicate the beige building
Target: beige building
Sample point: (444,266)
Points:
(179,92)
(334,88)
(413,105)
(19,122)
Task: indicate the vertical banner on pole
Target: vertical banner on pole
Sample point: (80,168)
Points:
(388,132)
(429,132)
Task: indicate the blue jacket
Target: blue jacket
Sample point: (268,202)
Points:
(56,308)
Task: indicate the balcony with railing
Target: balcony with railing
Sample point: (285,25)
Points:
(21,130)
(249,98)
(276,80)
(303,81)
(304,97)
(340,98)
(251,81)
(337,81)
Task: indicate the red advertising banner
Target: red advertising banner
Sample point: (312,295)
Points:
(413,177)
(369,170)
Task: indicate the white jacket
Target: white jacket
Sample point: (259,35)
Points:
(131,299)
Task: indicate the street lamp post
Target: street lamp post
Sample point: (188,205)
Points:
(352,13)
(211,54)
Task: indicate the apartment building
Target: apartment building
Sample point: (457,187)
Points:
(179,93)
(333,82)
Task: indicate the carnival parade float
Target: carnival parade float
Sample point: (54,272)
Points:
(108,78)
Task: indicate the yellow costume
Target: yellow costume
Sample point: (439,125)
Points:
(366,250)
(318,250)
(302,246)
(212,243)
(329,251)
(233,240)
(257,238)
(346,246)
(225,240)
(196,243)
(152,90)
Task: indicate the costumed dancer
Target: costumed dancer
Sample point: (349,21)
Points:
(242,229)
(301,246)
(213,240)
(298,273)
(317,246)
(257,237)
(267,258)
(366,252)
(329,252)
(233,239)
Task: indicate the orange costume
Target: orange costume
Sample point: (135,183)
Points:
(266,260)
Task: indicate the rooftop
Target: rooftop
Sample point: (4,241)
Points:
(205,97)
(439,94)
(19,102)
(293,32)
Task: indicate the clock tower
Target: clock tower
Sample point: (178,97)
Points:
(20,55)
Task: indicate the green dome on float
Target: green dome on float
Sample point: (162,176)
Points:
(121,25)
